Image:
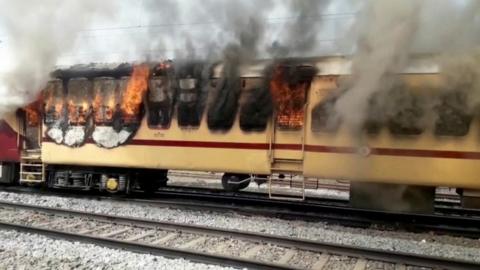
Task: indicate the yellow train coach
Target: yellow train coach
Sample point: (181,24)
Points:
(107,127)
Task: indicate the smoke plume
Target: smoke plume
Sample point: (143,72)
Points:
(390,34)
(38,34)
(299,38)
(386,37)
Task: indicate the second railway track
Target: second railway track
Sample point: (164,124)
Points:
(452,221)
(206,244)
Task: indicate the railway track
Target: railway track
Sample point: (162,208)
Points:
(453,221)
(206,244)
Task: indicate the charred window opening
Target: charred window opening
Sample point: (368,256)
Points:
(192,93)
(375,116)
(406,113)
(107,100)
(79,100)
(32,113)
(223,109)
(160,102)
(324,116)
(79,109)
(53,102)
(132,90)
(453,120)
(288,87)
(188,115)
(257,110)
(55,111)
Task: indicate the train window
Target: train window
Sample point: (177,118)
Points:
(324,117)
(106,100)
(160,102)
(288,87)
(188,100)
(54,102)
(79,100)
(405,113)
(375,116)
(223,109)
(452,119)
(256,111)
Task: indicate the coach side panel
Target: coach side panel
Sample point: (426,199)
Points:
(425,159)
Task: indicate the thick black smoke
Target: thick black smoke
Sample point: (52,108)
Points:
(224,105)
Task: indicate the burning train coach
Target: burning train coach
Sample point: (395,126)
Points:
(112,128)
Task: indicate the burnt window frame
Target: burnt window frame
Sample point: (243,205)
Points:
(306,74)
(170,99)
(396,128)
(116,96)
(187,112)
(74,97)
(314,121)
(459,101)
(256,100)
(55,99)
(220,116)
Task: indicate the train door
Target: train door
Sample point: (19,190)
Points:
(289,86)
(32,169)
(32,131)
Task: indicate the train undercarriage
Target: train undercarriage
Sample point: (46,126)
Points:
(376,196)
(111,180)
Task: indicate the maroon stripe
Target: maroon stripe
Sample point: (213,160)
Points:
(395,152)
(234,145)
(331,149)
(425,153)
(309,148)
(285,146)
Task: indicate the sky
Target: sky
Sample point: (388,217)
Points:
(134,31)
(38,36)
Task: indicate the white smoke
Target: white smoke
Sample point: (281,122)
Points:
(38,34)
(75,136)
(107,137)
(386,36)
(391,33)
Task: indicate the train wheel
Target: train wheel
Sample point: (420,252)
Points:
(235,182)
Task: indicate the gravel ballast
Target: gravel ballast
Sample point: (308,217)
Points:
(423,243)
(28,251)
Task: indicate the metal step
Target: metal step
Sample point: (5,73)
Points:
(31,158)
(31,181)
(32,173)
(287,166)
(31,166)
(287,160)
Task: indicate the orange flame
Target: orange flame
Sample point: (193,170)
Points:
(33,114)
(52,104)
(289,99)
(136,88)
(103,112)
(77,114)
(97,108)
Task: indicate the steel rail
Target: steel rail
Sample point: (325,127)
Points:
(352,251)
(334,211)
